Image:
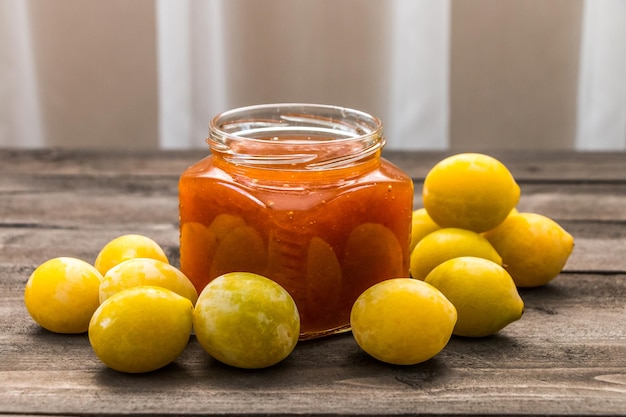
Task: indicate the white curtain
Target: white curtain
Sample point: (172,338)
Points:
(602,85)
(20,120)
(190,59)
(192,81)
(388,58)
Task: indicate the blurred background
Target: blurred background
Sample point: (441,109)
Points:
(441,74)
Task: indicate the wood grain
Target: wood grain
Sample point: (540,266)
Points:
(566,356)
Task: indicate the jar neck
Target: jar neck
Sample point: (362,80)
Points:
(296,138)
(273,177)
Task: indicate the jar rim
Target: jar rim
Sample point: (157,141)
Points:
(281,134)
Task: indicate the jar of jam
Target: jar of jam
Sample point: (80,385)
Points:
(297,193)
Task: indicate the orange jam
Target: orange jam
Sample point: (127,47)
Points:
(301,195)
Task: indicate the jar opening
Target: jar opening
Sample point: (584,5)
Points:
(295,136)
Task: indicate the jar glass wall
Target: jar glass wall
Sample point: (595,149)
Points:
(298,193)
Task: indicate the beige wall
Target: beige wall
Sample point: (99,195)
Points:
(340,68)
(513,71)
(96,70)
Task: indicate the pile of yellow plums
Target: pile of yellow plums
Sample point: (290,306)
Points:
(471,243)
(470,251)
(139,311)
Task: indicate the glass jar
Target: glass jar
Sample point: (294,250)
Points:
(298,193)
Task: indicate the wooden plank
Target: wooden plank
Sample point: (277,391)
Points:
(464,391)
(102,163)
(70,202)
(573,202)
(25,246)
(38,221)
(31,246)
(28,199)
(567,355)
(580,201)
(526,166)
(531,166)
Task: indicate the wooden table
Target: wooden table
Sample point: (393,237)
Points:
(567,355)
